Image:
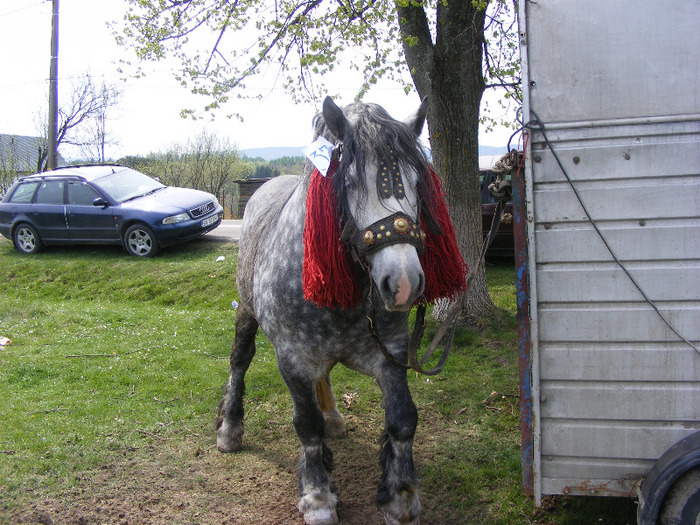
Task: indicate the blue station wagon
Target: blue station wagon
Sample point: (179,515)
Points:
(104,205)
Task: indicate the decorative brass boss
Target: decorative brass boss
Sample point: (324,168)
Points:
(401,225)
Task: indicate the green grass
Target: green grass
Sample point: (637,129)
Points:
(110,352)
(105,347)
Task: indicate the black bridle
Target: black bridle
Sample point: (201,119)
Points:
(394,229)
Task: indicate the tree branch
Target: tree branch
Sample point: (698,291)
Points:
(417,45)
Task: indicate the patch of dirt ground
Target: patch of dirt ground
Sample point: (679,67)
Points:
(185,480)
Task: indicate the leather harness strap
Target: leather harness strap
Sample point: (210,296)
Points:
(394,229)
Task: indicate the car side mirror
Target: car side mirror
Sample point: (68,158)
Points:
(99,201)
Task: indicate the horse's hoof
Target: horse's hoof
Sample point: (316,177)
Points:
(404,509)
(392,520)
(319,508)
(229,438)
(321,517)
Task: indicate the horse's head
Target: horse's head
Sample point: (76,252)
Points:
(377,180)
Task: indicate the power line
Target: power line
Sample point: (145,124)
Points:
(2,15)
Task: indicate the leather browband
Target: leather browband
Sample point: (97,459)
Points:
(394,229)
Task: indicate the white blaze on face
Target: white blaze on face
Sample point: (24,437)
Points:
(403,292)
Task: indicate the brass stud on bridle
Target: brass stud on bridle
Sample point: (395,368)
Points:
(401,225)
(394,229)
(390,182)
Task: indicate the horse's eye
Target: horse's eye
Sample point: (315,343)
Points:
(351,183)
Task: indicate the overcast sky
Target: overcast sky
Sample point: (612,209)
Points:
(147,119)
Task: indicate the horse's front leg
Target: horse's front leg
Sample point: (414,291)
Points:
(317,501)
(398,494)
(229,424)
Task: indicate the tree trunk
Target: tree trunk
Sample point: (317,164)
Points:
(450,73)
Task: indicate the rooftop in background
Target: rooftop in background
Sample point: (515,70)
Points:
(20,153)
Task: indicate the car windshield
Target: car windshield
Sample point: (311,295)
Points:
(127,184)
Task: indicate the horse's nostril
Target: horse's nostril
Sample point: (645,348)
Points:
(385,286)
(421,283)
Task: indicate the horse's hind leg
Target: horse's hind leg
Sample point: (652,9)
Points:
(335,425)
(229,427)
(317,502)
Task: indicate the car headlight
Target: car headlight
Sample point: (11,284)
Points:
(173,219)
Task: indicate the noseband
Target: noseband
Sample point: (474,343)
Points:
(394,229)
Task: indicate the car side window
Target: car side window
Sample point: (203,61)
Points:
(50,192)
(24,192)
(81,194)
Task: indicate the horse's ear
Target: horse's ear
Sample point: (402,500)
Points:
(335,119)
(417,120)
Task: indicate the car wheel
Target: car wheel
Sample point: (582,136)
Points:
(140,241)
(26,239)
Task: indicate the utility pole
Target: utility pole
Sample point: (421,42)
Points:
(53,91)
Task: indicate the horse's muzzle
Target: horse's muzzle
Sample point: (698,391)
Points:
(398,276)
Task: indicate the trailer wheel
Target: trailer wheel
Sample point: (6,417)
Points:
(670,494)
(681,505)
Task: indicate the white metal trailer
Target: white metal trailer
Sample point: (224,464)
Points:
(608,252)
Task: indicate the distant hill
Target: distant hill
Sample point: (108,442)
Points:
(273,153)
(485,151)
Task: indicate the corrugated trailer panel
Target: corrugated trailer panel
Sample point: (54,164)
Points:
(615,323)
(589,487)
(655,240)
(606,282)
(577,468)
(611,385)
(609,147)
(624,363)
(620,362)
(617,401)
(592,442)
(555,202)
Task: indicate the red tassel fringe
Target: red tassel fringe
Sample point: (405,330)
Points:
(328,275)
(443,265)
(329,278)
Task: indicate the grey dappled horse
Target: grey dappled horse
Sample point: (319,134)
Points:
(310,340)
